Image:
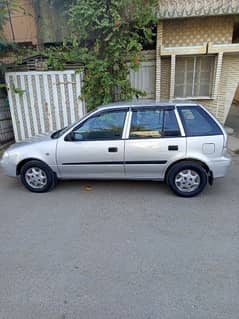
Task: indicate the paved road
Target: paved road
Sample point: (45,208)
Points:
(233,119)
(122,250)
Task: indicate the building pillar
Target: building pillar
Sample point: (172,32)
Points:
(158,60)
(172,78)
(217,79)
(218,75)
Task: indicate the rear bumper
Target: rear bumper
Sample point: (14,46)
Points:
(219,167)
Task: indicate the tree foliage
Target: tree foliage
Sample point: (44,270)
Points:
(107,36)
(5,8)
(3,17)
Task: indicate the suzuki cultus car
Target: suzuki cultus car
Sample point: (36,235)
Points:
(181,144)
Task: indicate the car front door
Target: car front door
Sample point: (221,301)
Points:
(95,148)
(154,141)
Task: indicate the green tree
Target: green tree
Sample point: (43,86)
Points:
(107,37)
(3,18)
(6,6)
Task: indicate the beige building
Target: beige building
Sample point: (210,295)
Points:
(197,56)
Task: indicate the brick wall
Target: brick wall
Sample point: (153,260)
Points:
(227,88)
(6,131)
(165,78)
(196,31)
(228,84)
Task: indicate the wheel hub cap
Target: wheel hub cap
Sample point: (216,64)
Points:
(187,180)
(36,177)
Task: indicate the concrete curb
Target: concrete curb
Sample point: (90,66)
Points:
(233,144)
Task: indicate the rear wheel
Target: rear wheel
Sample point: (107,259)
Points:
(187,179)
(37,177)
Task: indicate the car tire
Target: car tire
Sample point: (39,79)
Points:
(187,179)
(37,177)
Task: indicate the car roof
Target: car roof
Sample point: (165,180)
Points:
(145,103)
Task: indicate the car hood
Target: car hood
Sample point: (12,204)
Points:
(32,140)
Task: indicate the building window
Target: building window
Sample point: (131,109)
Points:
(194,76)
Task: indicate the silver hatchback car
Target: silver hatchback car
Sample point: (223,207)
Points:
(182,144)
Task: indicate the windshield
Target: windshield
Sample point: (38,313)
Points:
(62,131)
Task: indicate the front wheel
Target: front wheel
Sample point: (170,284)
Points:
(37,177)
(187,179)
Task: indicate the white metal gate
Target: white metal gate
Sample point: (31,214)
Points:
(144,79)
(43,101)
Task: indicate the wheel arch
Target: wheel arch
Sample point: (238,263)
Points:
(203,164)
(24,161)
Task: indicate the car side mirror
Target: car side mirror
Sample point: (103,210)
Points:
(74,136)
(70,137)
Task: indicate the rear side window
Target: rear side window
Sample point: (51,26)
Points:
(153,123)
(197,122)
(146,124)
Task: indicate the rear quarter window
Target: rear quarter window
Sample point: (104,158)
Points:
(197,122)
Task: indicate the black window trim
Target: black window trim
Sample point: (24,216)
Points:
(153,107)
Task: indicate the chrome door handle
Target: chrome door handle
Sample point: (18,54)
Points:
(113,149)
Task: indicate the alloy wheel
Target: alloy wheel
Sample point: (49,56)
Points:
(36,177)
(187,180)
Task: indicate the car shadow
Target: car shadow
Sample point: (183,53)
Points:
(113,185)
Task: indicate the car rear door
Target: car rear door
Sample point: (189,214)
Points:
(154,141)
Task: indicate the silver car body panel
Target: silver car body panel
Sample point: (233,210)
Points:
(134,159)
(40,147)
(149,158)
(90,159)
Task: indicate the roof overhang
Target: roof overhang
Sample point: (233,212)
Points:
(171,9)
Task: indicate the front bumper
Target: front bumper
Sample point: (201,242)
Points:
(9,167)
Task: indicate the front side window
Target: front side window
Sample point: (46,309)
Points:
(153,123)
(197,122)
(194,76)
(105,126)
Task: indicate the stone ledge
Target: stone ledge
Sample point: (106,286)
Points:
(183,50)
(223,48)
